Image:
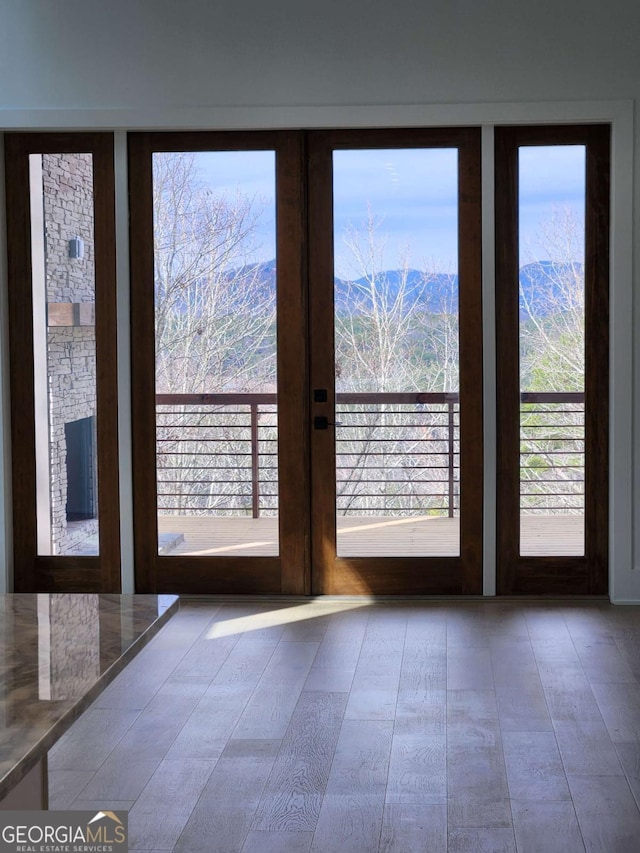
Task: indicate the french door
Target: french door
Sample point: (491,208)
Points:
(396,368)
(219,363)
(552,273)
(307,361)
(307,405)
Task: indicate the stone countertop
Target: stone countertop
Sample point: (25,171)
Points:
(57,654)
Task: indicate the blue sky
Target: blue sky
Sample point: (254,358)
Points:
(552,179)
(411,196)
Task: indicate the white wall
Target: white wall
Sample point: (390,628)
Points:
(196,63)
(163,53)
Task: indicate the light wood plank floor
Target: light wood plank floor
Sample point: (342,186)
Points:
(341,726)
(365,536)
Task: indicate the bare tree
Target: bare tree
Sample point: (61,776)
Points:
(215,316)
(389,335)
(215,333)
(552,359)
(395,332)
(552,307)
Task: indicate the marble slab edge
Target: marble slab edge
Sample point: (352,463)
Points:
(44,744)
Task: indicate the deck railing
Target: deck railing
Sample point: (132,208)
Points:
(552,433)
(396,453)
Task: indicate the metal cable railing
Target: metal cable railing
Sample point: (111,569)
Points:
(396,453)
(552,442)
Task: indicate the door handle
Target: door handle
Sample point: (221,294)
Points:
(322,422)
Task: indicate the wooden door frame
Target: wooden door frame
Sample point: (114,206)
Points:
(396,575)
(527,575)
(287,574)
(33,572)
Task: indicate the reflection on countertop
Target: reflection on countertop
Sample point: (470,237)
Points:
(57,653)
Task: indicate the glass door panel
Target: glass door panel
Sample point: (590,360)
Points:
(551,222)
(395,361)
(552,370)
(214,234)
(395,214)
(64,352)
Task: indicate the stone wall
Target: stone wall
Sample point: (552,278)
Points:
(68,213)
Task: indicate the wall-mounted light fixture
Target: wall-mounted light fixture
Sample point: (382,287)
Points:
(76,248)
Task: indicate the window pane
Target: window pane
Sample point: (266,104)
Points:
(552,361)
(216,384)
(397,360)
(63,287)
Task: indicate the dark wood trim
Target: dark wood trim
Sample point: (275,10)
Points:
(396,575)
(143,370)
(507,362)
(597,357)
(219,575)
(471,408)
(551,576)
(31,572)
(224,574)
(403,137)
(213,140)
(294,515)
(20,311)
(321,358)
(106,363)
(69,574)
(517,574)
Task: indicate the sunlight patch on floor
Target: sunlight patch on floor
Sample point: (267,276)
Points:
(282,616)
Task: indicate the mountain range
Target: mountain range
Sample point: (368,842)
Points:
(540,288)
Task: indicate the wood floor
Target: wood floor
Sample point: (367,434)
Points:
(367,536)
(348,727)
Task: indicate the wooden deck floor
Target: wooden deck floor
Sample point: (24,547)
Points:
(364,536)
